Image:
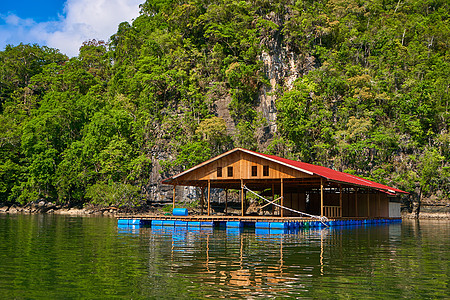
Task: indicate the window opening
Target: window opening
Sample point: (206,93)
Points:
(265,170)
(230,171)
(254,170)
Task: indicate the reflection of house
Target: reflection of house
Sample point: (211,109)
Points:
(302,187)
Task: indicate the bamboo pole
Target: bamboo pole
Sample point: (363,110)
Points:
(321,197)
(282,198)
(209,197)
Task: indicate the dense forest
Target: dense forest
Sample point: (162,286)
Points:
(357,86)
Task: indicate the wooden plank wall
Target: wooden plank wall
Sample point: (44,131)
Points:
(375,209)
(295,201)
(331,199)
(314,204)
(242,169)
(379,204)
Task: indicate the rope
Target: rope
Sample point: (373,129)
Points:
(321,219)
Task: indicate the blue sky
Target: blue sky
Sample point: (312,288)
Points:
(39,10)
(62,24)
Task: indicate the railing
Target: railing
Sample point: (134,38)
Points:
(332,211)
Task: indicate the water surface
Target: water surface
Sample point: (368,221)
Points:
(49,256)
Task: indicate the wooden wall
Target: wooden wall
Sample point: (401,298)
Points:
(378,205)
(242,164)
(295,201)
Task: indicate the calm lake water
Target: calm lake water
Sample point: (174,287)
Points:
(46,256)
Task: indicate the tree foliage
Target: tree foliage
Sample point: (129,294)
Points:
(374,101)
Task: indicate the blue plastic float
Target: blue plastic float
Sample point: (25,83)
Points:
(180,212)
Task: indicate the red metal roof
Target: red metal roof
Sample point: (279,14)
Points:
(328,173)
(310,169)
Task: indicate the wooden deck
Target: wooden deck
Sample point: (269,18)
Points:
(249,219)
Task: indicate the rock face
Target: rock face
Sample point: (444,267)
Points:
(281,66)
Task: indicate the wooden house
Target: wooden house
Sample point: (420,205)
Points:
(292,188)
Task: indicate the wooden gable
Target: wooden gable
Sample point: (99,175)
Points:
(241,165)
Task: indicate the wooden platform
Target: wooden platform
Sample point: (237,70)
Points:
(250,219)
(245,219)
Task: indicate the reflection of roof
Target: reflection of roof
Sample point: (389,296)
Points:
(329,174)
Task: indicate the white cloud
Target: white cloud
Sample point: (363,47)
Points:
(82,20)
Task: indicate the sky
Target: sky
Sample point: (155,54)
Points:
(62,24)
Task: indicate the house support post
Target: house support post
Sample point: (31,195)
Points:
(242,197)
(340,201)
(173,197)
(282,198)
(356,203)
(321,197)
(209,197)
(368,203)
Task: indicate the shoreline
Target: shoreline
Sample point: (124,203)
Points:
(43,207)
(427,216)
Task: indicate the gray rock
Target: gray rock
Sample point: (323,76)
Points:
(13,209)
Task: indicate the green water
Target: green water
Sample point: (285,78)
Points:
(54,257)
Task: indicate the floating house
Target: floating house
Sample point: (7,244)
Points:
(300,187)
(291,192)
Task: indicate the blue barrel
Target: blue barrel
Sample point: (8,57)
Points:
(279,225)
(180,212)
(234,224)
(262,225)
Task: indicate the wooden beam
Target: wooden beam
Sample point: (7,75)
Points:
(282,198)
(340,200)
(368,203)
(242,197)
(321,197)
(270,202)
(209,197)
(173,197)
(356,203)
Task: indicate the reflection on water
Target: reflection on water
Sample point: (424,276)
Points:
(54,257)
(357,261)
